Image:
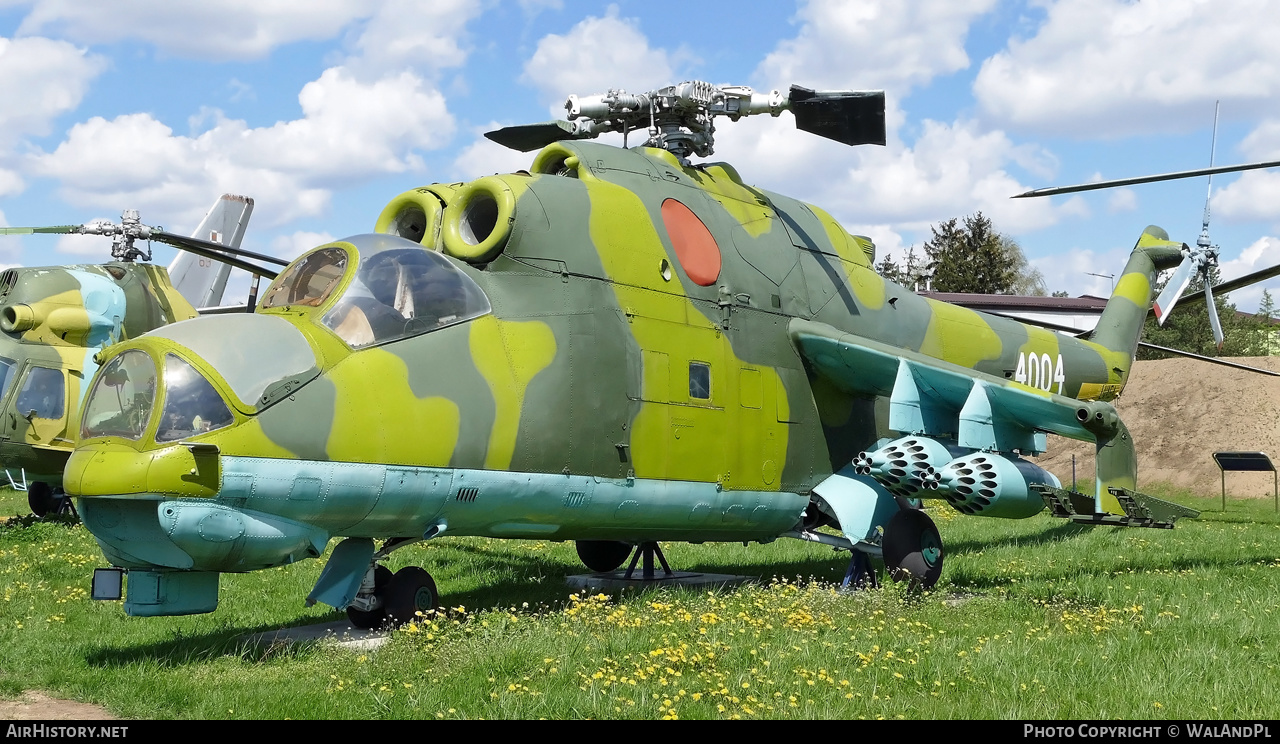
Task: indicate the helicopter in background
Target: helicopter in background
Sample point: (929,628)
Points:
(55,319)
(616,347)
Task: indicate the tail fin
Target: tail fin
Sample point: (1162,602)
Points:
(202,280)
(1120,327)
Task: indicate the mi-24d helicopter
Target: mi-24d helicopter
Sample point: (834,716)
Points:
(55,319)
(617,347)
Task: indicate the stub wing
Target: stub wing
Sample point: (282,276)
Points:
(934,398)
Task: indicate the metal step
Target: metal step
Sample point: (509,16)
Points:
(1140,510)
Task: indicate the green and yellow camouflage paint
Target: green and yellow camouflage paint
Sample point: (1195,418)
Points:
(54,320)
(637,350)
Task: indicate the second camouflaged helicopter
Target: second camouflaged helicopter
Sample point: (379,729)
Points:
(55,319)
(618,348)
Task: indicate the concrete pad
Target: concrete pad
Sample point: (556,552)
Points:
(340,633)
(615,580)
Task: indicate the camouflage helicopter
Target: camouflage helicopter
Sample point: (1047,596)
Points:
(55,319)
(616,347)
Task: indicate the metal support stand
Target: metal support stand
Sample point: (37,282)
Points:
(648,550)
(860,574)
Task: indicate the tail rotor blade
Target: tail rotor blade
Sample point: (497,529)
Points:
(1173,290)
(1213,314)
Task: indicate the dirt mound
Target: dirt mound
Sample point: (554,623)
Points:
(1179,412)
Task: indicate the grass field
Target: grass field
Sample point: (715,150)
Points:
(1032,619)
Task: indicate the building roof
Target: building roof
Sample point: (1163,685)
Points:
(1006,303)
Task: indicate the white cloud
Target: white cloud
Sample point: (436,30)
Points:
(1122,200)
(210,29)
(10,183)
(1115,67)
(596,55)
(40,79)
(350,131)
(1075,270)
(1253,196)
(93,247)
(1262,253)
(484,157)
(295,244)
(534,7)
(864,44)
(950,170)
(411,34)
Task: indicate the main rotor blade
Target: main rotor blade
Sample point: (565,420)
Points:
(56,229)
(1042,324)
(529,137)
(212,251)
(1213,315)
(1145,179)
(1211,360)
(851,117)
(1173,290)
(188,241)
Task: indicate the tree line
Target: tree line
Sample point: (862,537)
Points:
(969,255)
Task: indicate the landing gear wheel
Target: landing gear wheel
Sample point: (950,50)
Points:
(367,619)
(41,499)
(603,556)
(913,549)
(412,590)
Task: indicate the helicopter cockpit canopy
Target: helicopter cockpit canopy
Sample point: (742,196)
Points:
(399,289)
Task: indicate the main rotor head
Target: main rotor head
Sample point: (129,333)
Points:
(681,118)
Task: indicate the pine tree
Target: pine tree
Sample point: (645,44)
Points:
(1187,328)
(969,257)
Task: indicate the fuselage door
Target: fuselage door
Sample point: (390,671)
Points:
(37,413)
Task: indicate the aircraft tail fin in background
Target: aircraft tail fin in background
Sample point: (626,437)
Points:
(1120,327)
(203,280)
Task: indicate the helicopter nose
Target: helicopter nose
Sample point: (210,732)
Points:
(263,358)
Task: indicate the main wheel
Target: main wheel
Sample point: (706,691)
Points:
(41,499)
(913,549)
(373,618)
(412,590)
(602,556)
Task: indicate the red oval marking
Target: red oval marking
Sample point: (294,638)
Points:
(695,247)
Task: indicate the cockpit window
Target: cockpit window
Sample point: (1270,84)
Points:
(308,282)
(8,368)
(121,400)
(43,394)
(191,405)
(403,292)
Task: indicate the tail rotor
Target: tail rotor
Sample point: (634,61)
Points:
(1199,260)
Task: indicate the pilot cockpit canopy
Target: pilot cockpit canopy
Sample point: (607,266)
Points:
(399,289)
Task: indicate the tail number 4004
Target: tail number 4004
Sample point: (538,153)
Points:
(1040,371)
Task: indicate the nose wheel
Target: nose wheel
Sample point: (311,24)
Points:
(603,556)
(412,590)
(373,618)
(396,598)
(45,499)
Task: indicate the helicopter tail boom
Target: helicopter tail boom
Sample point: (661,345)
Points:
(1120,326)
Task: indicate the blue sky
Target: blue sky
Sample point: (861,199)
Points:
(324,110)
